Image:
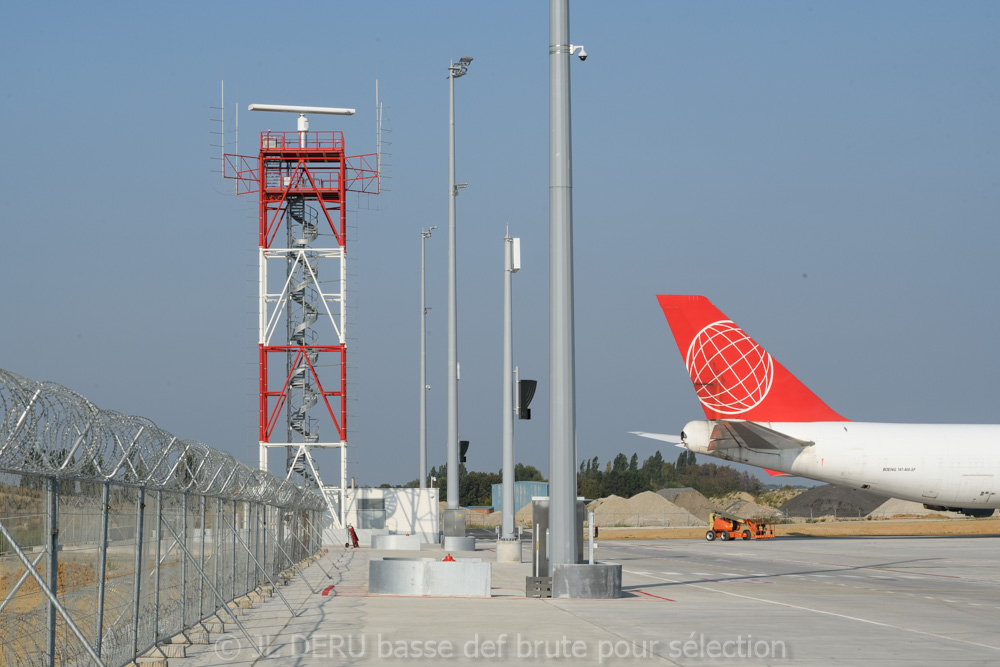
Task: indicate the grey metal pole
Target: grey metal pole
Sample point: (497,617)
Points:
(137,582)
(102,566)
(156,569)
(201,566)
(452,304)
(507,531)
(562,381)
(424,235)
(52,519)
(232,564)
(184,536)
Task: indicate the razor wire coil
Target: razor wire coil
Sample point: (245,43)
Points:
(47,429)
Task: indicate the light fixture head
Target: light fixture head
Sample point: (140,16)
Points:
(465,60)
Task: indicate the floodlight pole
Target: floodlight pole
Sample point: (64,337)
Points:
(454,71)
(562,368)
(509,267)
(424,235)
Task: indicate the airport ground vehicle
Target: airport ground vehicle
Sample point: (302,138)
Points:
(730,527)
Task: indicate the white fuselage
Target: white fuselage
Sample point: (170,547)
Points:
(952,465)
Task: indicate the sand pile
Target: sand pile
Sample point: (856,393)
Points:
(689,499)
(829,500)
(896,508)
(524,516)
(645,509)
(748,509)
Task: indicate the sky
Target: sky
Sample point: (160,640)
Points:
(826,173)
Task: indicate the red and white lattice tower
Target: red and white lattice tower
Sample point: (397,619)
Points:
(302,179)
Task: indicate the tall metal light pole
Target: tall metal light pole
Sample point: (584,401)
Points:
(562,353)
(511,264)
(424,235)
(454,71)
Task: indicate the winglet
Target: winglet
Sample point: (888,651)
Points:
(733,376)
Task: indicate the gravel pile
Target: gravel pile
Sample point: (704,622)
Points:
(524,516)
(645,509)
(829,500)
(894,507)
(748,509)
(689,499)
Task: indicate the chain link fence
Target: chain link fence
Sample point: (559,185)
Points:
(115,535)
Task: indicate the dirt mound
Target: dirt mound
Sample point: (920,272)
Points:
(748,509)
(777,498)
(644,509)
(524,516)
(832,500)
(894,507)
(689,499)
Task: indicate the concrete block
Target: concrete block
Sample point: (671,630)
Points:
(429,576)
(508,551)
(396,542)
(598,581)
(459,543)
(167,650)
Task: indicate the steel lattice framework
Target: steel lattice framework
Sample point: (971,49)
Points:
(302,179)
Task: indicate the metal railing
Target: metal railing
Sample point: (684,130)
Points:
(115,535)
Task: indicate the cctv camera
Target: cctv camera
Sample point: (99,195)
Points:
(573,49)
(583,54)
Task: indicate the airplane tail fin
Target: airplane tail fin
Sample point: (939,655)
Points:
(733,376)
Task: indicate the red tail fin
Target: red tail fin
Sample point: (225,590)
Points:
(734,377)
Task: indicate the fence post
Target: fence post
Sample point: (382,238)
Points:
(216,547)
(137,572)
(102,565)
(234,549)
(201,582)
(156,568)
(184,534)
(247,509)
(52,528)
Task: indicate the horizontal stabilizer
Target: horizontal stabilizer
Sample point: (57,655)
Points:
(665,437)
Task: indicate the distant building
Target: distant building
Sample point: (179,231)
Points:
(523,491)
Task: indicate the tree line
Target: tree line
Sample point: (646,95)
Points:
(621,477)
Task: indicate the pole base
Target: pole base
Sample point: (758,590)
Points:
(596,582)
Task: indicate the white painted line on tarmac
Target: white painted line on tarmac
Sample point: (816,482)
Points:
(829,613)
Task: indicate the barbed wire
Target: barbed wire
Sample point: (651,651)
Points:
(47,429)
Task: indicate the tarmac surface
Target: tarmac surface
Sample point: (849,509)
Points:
(787,601)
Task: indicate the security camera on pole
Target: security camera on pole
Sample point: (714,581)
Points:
(569,578)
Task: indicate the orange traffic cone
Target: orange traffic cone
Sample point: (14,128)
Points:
(448,559)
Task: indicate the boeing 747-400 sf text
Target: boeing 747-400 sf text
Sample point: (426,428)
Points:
(760,414)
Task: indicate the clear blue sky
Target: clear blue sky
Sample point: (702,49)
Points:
(827,173)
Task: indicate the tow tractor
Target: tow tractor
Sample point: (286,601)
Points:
(729,527)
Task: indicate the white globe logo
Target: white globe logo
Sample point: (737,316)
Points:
(731,373)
